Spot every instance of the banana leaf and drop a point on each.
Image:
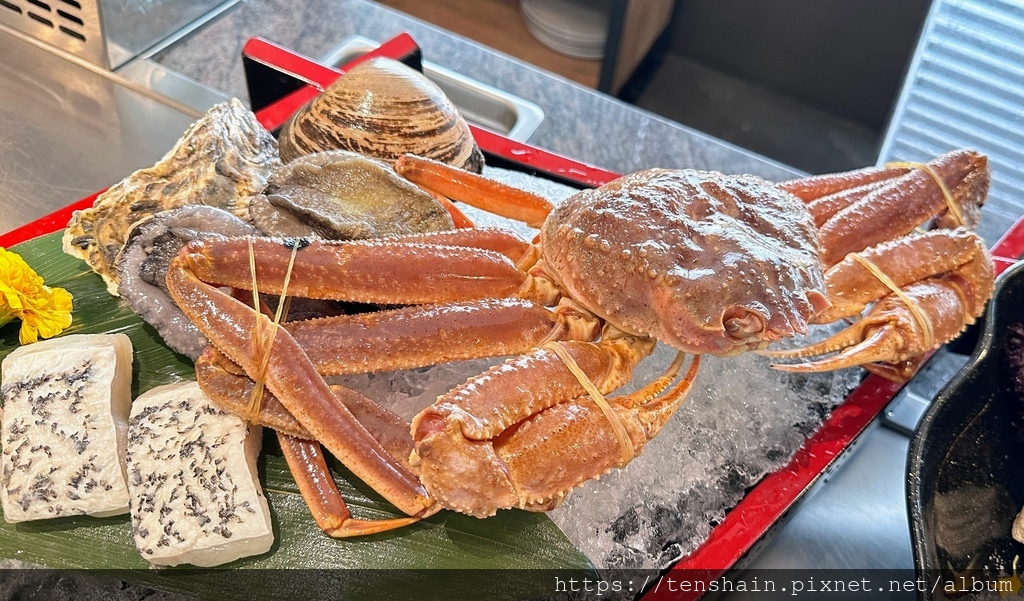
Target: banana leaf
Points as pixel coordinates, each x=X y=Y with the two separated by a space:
x=448 y=555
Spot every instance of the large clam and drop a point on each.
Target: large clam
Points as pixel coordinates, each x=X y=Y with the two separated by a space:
x=383 y=109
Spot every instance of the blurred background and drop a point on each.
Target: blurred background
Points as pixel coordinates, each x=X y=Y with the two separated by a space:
x=810 y=84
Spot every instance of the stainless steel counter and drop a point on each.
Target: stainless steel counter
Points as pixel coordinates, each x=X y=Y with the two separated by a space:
x=69 y=131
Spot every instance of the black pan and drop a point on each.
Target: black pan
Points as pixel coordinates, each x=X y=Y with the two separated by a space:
x=965 y=477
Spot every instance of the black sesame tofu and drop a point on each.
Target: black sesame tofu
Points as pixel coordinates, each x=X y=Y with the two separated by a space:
x=195 y=494
x=64 y=428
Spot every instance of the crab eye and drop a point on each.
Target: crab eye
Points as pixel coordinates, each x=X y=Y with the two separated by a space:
x=742 y=324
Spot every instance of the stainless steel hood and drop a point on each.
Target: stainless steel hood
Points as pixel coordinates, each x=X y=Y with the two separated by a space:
x=70 y=131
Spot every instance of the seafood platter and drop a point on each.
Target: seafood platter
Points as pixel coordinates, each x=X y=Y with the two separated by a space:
x=307 y=276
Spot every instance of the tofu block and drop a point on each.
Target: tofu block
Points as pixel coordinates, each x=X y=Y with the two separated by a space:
x=195 y=493
x=65 y=427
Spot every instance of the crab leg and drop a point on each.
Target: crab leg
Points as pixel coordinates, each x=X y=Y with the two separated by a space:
x=306 y=462
x=824 y=208
x=231 y=388
x=525 y=433
x=902 y=204
x=459 y=219
x=809 y=189
x=432 y=334
x=851 y=287
x=386 y=271
x=521 y=253
x=303 y=454
x=475 y=190
x=946 y=276
x=577 y=434
x=891 y=332
x=293 y=379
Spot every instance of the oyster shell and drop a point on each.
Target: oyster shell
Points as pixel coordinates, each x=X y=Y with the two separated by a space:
x=224 y=158
x=383 y=109
x=343 y=195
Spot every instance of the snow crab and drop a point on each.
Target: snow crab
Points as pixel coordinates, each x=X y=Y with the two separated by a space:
x=703 y=262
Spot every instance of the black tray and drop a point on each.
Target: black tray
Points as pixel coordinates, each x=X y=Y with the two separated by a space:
x=965 y=478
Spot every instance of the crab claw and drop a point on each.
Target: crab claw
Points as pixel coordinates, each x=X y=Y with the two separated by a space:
x=892 y=332
x=857 y=346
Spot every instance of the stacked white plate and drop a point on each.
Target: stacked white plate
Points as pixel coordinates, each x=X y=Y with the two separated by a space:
x=578 y=28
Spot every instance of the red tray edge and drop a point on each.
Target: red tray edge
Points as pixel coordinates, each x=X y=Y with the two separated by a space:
x=47 y=224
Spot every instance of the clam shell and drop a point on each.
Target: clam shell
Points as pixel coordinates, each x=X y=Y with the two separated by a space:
x=383 y=109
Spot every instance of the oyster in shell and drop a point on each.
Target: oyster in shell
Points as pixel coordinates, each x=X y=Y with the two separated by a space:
x=384 y=109
x=224 y=158
x=342 y=195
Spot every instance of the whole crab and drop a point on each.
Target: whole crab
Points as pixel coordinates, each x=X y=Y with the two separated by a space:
x=703 y=262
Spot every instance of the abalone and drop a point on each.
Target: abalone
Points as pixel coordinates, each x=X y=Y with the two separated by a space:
x=341 y=195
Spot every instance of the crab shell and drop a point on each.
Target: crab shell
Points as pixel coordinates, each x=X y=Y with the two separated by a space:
x=704 y=262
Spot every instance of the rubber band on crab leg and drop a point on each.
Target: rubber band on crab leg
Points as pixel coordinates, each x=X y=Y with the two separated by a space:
x=260 y=342
x=883 y=342
x=951 y=204
x=264 y=337
x=922 y=318
x=852 y=336
x=625 y=444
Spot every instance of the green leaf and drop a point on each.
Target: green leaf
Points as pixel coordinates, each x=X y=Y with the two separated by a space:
x=423 y=553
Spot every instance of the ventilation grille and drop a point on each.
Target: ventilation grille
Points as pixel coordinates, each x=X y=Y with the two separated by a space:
x=72 y=25
x=964 y=89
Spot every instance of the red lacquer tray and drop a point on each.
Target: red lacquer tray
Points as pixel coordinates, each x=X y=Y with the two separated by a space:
x=281 y=81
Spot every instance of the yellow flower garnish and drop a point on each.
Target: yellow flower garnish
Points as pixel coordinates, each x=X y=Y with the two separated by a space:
x=43 y=311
